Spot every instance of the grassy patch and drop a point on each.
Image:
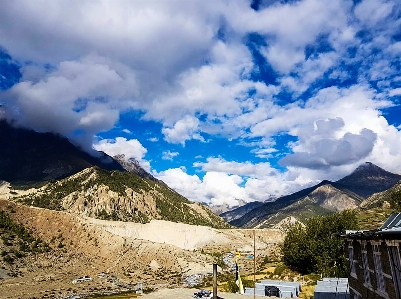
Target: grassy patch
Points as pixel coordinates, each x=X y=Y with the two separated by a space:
x=123 y=295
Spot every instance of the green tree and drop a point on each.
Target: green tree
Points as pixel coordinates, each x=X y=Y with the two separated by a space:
x=395 y=200
x=316 y=248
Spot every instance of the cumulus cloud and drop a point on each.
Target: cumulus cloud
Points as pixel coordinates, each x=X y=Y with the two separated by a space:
x=84 y=96
x=320 y=72
x=127 y=131
x=121 y=146
x=215 y=188
x=168 y=155
x=184 y=129
x=395 y=92
x=371 y=12
x=231 y=183
x=334 y=152
x=231 y=167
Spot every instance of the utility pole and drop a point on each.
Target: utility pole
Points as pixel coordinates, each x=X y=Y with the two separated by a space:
x=214 y=281
x=254 y=264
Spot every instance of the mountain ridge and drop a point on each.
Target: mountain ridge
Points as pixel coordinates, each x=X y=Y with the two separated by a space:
x=115 y=195
x=46 y=170
x=375 y=178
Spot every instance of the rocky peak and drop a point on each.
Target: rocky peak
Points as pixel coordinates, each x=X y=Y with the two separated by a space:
x=369 y=168
x=132 y=165
x=369 y=178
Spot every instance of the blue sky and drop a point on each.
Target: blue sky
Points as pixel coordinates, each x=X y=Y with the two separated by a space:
x=226 y=101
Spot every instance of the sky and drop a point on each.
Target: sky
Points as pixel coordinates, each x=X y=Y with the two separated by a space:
x=225 y=101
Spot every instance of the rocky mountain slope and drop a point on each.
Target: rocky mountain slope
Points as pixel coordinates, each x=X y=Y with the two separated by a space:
x=381 y=198
x=324 y=198
x=116 y=195
x=133 y=166
x=63 y=177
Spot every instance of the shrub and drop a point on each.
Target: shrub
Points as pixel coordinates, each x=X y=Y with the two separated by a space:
x=316 y=248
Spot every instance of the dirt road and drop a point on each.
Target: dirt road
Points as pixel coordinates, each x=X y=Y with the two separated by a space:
x=187 y=294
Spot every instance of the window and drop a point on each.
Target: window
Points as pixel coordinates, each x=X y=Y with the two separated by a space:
x=381 y=287
x=394 y=255
x=366 y=270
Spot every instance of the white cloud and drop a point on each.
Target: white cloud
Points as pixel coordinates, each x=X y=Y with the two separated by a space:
x=168 y=155
x=231 y=183
x=121 y=146
x=329 y=152
x=184 y=129
x=290 y=27
x=84 y=63
x=84 y=96
x=216 y=188
x=371 y=12
x=259 y=170
x=395 y=92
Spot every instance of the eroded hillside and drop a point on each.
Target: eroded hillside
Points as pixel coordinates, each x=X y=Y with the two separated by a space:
x=116 y=195
x=159 y=253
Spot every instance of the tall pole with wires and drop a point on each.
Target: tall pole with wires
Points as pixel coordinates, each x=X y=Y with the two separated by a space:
x=254 y=264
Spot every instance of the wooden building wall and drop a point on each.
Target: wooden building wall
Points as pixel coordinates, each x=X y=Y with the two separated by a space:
x=375 y=278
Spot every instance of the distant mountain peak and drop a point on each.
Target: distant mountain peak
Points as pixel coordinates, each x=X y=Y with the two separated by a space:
x=369 y=178
x=323 y=198
x=368 y=166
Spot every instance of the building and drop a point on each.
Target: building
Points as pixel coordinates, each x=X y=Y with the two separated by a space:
x=374 y=260
x=275 y=288
x=332 y=288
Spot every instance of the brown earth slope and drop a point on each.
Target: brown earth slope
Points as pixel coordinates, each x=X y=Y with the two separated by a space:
x=159 y=254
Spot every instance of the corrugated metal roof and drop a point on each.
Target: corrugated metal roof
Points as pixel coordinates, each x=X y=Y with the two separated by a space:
x=392 y=226
x=332 y=288
x=394 y=221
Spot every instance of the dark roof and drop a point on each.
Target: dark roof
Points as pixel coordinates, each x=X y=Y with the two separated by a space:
x=390 y=229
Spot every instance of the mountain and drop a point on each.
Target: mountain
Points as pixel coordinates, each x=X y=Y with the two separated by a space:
x=240 y=211
x=133 y=166
x=324 y=198
x=222 y=208
x=302 y=204
x=27 y=156
x=381 y=198
x=116 y=195
x=62 y=177
x=368 y=179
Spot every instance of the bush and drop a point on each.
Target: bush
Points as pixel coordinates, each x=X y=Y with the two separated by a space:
x=316 y=248
x=231 y=285
x=280 y=268
x=395 y=200
x=7 y=258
